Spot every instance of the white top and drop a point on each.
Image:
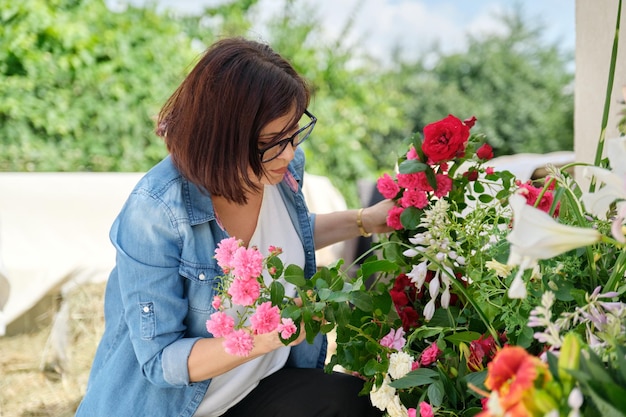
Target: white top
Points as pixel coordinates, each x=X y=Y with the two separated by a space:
x=274 y=227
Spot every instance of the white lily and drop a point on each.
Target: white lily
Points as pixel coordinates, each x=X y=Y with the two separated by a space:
x=612 y=186
x=536 y=235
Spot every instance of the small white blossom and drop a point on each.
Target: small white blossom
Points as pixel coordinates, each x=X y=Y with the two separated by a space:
x=429 y=310
x=382 y=396
x=400 y=364
x=396 y=409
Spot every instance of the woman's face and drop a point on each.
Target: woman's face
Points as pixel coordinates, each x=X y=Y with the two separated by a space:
x=277 y=167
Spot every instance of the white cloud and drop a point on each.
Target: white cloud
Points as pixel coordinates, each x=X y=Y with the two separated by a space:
x=413 y=25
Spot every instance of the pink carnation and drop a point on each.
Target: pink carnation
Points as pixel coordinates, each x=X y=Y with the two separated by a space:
x=239 y=343
x=444 y=185
x=387 y=187
x=265 y=319
x=247 y=263
x=217 y=302
x=394 y=339
x=220 y=324
x=430 y=354
x=426 y=410
x=414 y=198
x=411 y=412
x=225 y=251
x=244 y=292
x=393 y=218
x=416 y=180
x=287 y=328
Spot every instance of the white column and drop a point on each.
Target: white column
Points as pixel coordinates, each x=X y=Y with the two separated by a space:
x=595 y=30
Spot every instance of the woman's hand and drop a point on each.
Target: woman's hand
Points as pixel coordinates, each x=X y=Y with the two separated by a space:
x=374 y=218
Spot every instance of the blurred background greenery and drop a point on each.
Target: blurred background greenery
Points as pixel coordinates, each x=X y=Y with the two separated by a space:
x=80 y=85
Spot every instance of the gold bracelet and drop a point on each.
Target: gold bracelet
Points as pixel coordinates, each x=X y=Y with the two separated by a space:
x=359 y=222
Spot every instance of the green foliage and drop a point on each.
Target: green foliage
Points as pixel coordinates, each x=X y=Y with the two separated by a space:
x=81 y=84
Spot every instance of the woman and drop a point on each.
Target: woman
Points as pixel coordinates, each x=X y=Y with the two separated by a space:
x=232 y=129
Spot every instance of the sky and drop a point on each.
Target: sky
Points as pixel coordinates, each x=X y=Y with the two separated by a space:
x=414 y=24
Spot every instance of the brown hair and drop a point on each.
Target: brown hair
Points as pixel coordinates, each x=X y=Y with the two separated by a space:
x=212 y=122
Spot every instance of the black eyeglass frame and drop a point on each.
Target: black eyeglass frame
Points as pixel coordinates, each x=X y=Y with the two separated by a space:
x=282 y=144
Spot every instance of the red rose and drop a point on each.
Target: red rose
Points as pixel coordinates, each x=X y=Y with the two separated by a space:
x=445 y=140
x=485 y=152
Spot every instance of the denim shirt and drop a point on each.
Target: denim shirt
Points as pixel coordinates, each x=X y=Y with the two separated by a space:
x=158 y=296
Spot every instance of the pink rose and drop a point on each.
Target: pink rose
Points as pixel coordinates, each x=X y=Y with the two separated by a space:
x=426 y=410
x=430 y=354
x=489 y=170
x=220 y=324
x=445 y=140
x=244 y=291
x=247 y=263
x=239 y=343
x=387 y=187
x=411 y=412
x=287 y=328
x=265 y=319
x=412 y=154
x=225 y=251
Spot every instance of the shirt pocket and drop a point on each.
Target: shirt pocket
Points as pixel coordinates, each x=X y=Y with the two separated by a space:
x=200 y=286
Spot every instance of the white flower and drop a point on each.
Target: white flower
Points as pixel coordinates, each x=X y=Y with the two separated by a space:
x=517 y=290
x=418 y=274
x=396 y=409
x=382 y=396
x=400 y=364
x=613 y=186
x=429 y=310
x=536 y=235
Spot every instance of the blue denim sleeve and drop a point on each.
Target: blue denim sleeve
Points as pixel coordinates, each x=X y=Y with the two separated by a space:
x=148 y=246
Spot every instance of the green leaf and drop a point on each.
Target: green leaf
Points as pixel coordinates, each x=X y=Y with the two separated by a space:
x=436 y=393
x=416 y=378
x=295 y=275
x=275 y=262
x=464 y=337
x=362 y=301
x=277 y=293
x=411 y=218
x=411 y=166
x=382 y=265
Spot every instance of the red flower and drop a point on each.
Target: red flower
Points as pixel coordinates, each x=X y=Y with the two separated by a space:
x=471 y=175
x=485 y=152
x=445 y=140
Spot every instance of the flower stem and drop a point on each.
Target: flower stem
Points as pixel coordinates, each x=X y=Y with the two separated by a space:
x=607 y=101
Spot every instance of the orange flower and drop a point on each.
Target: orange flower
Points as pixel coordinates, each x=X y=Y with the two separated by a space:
x=512 y=374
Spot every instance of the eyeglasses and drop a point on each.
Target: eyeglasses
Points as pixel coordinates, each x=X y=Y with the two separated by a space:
x=271 y=152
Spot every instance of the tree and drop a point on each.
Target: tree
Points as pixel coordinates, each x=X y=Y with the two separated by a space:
x=81 y=84
x=518 y=87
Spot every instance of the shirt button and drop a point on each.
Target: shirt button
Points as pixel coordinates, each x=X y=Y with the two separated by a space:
x=146 y=309
x=202 y=277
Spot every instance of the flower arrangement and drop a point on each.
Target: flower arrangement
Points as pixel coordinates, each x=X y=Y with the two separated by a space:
x=492 y=297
